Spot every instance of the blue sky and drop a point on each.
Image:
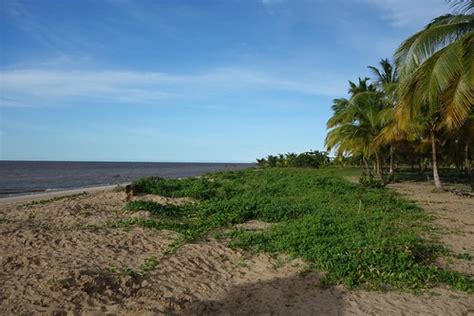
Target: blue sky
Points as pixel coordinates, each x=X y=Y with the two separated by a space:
x=177 y=80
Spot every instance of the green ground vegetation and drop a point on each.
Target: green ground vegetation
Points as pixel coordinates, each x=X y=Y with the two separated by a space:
x=359 y=235
x=308 y=159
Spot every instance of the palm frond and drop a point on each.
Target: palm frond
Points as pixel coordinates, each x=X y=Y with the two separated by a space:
x=442 y=83
x=462 y=6
x=436 y=35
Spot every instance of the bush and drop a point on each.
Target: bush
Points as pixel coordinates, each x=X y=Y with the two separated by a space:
x=198 y=188
x=371 y=182
x=309 y=159
x=167 y=210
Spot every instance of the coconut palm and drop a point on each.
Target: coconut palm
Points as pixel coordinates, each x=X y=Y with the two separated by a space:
x=437 y=75
x=387 y=81
x=356 y=123
x=387 y=73
x=465 y=136
x=362 y=86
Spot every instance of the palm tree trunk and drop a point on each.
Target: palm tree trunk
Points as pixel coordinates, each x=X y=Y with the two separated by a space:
x=437 y=181
x=366 y=165
x=421 y=166
x=378 y=164
x=467 y=162
x=390 y=172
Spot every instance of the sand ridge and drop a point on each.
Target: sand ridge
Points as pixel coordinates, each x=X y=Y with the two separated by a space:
x=62 y=257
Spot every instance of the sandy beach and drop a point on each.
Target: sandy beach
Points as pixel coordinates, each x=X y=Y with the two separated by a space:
x=18 y=199
x=264 y=157
x=61 y=257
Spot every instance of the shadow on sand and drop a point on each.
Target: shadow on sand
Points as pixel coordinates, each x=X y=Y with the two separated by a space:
x=449 y=176
x=296 y=295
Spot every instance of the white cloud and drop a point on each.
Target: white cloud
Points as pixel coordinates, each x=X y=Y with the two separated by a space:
x=410 y=13
x=36 y=87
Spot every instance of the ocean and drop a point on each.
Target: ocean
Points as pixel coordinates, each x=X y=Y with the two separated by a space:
x=24 y=177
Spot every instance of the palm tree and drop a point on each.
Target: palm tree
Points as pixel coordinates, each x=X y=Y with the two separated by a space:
x=356 y=123
x=362 y=86
x=387 y=74
x=466 y=137
x=387 y=78
x=437 y=75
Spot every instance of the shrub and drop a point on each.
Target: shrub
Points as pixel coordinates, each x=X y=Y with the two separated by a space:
x=371 y=182
x=167 y=210
x=309 y=159
x=198 y=188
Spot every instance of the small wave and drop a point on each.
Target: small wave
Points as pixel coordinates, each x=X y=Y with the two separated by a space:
x=52 y=190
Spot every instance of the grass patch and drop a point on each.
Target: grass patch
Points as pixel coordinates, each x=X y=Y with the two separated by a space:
x=119 y=188
x=359 y=235
x=54 y=199
x=31 y=216
x=198 y=188
x=464 y=256
x=166 y=210
x=149 y=264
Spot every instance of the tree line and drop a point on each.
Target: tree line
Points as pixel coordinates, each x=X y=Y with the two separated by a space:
x=416 y=108
x=308 y=159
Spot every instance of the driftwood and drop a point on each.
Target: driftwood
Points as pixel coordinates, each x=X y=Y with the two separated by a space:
x=461 y=193
x=130 y=191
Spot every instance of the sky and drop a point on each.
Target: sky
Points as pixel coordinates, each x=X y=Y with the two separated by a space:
x=187 y=81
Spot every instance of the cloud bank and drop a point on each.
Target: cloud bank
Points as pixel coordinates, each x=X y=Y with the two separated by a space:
x=37 y=87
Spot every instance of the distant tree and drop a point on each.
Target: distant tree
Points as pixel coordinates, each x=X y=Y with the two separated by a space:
x=309 y=159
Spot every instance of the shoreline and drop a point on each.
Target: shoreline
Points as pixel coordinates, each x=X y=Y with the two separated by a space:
x=26 y=180
x=53 y=194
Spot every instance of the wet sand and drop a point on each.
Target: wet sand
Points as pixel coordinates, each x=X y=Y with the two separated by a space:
x=52 y=194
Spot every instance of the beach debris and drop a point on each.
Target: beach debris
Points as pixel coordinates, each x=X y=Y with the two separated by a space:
x=130 y=191
x=461 y=193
